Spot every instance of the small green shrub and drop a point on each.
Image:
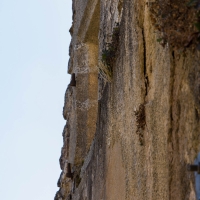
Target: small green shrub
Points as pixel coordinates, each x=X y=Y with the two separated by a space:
x=109 y=55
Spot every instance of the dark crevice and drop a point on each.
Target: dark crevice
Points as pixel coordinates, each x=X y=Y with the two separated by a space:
x=146 y=84
x=146 y=80
x=173 y=56
x=140 y=113
x=70 y=197
x=144 y=45
x=196 y=115
x=170 y=142
x=172 y=84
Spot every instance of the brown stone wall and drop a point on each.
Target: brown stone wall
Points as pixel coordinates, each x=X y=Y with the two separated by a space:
x=111 y=157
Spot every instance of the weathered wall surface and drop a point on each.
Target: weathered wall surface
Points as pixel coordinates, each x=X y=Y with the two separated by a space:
x=101 y=142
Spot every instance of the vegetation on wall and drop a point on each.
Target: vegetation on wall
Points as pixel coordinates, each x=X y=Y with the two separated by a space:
x=140 y=122
x=178 y=21
x=109 y=55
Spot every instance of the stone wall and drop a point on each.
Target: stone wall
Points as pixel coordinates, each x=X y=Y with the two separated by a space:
x=105 y=156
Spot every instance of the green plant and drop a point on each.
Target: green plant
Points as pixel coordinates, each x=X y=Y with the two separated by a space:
x=77 y=180
x=109 y=55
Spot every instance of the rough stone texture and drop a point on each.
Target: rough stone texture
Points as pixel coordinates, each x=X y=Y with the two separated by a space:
x=100 y=137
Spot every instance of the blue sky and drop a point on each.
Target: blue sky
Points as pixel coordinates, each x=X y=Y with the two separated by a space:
x=34 y=41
